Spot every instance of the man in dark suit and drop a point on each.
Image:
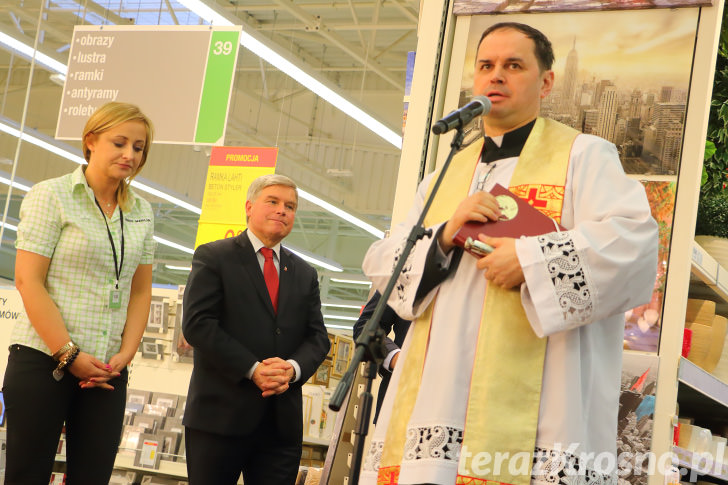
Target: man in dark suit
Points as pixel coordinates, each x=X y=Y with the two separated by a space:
x=254 y=320
x=390 y=321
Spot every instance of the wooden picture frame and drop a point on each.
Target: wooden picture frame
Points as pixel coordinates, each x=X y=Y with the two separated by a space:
x=158 y=315
x=342 y=356
x=138 y=397
x=323 y=374
x=168 y=441
x=151 y=349
x=147 y=453
x=332 y=347
x=180 y=346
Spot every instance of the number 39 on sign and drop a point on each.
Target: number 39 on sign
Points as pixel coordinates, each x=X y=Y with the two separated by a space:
x=223 y=48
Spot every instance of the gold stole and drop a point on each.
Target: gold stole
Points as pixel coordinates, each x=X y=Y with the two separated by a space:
x=505 y=388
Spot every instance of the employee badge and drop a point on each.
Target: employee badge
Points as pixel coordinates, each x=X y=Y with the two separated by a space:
x=114 y=298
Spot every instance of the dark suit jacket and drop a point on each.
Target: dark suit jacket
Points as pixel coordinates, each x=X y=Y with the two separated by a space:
x=390 y=321
x=229 y=320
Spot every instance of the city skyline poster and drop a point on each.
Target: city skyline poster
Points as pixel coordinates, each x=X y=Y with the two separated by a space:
x=628 y=83
x=475 y=7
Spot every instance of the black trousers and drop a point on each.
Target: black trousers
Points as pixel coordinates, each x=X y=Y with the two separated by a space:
x=37 y=406
x=263 y=457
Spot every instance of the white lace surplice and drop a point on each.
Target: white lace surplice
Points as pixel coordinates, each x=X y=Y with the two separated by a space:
x=578 y=285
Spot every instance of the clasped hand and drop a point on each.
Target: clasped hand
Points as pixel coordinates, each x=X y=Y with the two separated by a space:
x=500 y=267
x=93 y=373
x=272 y=376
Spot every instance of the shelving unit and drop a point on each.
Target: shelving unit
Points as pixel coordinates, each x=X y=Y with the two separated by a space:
x=704 y=384
x=685 y=458
x=714 y=278
x=316 y=441
x=168 y=468
x=701 y=394
x=337 y=467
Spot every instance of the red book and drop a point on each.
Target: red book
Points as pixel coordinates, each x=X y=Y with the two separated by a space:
x=519 y=219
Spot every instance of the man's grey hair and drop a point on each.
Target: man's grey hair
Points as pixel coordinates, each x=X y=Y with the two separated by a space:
x=266 y=181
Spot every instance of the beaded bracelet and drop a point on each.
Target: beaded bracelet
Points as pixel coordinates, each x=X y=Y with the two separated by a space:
x=72 y=357
x=65 y=362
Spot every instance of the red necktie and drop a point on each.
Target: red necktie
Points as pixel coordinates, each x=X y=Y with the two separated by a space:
x=270 y=273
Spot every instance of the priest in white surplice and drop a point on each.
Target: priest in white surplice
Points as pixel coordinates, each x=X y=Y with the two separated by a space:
x=511 y=371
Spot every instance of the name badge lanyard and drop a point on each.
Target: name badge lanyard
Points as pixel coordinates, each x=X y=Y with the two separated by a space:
x=115 y=293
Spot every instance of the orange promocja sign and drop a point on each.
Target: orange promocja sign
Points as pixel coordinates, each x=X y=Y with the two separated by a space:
x=244 y=157
x=231 y=171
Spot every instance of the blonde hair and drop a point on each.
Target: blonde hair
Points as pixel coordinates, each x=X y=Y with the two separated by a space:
x=107 y=117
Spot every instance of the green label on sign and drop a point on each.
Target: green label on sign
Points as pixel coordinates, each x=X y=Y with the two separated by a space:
x=216 y=88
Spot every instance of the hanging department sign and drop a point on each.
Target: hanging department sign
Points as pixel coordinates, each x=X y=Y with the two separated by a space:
x=229 y=175
x=180 y=76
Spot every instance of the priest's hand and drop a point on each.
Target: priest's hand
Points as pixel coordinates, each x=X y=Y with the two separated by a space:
x=272 y=376
x=480 y=206
x=501 y=267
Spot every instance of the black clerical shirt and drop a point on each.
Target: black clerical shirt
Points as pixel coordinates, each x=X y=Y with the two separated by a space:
x=511 y=145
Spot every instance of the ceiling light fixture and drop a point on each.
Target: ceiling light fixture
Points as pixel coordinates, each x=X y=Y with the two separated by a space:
x=75 y=158
x=163 y=195
x=10 y=226
x=341 y=327
x=353 y=282
x=174 y=245
x=178 y=268
x=341 y=305
x=378 y=233
x=257 y=47
x=16 y=185
x=26 y=51
x=342 y=317
x=315 y=259
x=10 y=130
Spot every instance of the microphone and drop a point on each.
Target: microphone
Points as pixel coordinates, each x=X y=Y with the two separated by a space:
x=480 y=105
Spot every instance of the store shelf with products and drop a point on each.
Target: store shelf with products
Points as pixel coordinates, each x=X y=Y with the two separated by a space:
x=166 y=468
x=316 y=441
x=701 y=463
x=709 y=279
x=701 y=393
x=702 y=396
x=706 y=384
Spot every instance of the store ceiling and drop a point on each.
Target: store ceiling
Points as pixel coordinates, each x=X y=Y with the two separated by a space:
x=360 y=46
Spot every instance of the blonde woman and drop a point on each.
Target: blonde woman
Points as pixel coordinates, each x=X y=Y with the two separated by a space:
x=84 y=271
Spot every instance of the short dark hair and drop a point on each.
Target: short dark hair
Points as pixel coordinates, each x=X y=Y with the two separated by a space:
x=542 y=45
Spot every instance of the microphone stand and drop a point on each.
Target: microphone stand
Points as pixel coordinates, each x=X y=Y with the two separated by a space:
x=370 y=344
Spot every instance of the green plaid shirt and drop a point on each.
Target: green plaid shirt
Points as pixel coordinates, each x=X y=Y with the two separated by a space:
x=60 y=220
